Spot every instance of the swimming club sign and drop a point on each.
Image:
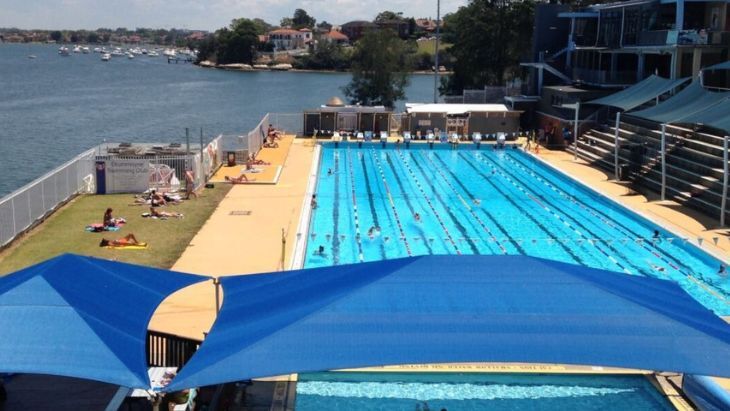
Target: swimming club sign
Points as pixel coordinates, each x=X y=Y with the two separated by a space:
x=122 y=176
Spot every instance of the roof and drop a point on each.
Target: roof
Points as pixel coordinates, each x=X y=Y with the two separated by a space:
x=438 y=309
x=719 y=66
x=82 y=317
x=692 y=100
x=336 y=35
x=454 y=108
x=640 y=93
x=284 y=31
x=363 y=23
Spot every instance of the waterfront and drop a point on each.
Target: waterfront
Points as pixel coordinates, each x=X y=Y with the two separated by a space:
x=53 y=107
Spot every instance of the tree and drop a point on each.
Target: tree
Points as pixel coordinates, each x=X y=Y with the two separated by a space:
x=302 y=20
x=325 y=26
x=56 y=35
x=380 y=65
x=388 y=16
x=488 y=37
x=326 y=56
x=92 y=37
x=286 y=22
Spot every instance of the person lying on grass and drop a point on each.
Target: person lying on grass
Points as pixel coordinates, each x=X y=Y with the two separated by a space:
x=128 y=239
x=242 y=179
x=163 y=214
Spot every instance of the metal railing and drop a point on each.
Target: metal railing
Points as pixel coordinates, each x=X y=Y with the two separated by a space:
x=29 y=205
x=251 y=142
x=169 y=350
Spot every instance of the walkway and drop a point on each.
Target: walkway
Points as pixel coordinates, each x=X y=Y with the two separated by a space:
x=265 y=174
x=242 y=236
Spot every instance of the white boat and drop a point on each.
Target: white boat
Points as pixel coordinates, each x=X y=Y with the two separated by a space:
x=130 y=55
x=106 y=57
x=169 y=53
x=77 y=49
x=32 y=56
x=63 y=51
x=97 y=49
x=153 y=54
x=85 y=50
x=117 y=52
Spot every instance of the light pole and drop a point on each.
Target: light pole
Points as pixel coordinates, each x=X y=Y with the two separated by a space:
x=436 y=58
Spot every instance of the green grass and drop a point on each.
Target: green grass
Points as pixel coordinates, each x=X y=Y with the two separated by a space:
x=64 y=231
x=430 y=46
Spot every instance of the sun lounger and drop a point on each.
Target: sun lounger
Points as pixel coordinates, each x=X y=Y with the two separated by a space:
x=360 y=136
x=383 y=135
x=442 y=137
x=368 y=136
x=406 y=135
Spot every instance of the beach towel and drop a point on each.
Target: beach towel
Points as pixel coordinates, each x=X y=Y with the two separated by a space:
x=140 y=246
x=98 y=228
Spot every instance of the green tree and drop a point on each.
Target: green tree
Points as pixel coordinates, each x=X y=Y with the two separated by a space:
x=301 y=19
x=236 y=44
x=92 y=37
x=388 y=16
x=326 y=56
x=488 y=37
x=286 y=22
x=56 y=35
x=380 y=66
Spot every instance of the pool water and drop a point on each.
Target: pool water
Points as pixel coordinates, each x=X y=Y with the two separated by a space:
x=460 y=392
x=488 y=202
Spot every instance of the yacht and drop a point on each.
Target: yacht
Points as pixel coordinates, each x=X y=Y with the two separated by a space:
x=85 y=50
x=130 y=55
x=169 y=53
x=63 y=51
x=97 y=49
x=77 y=49
x=106 y=57
x=153 y=54
x=117 y=52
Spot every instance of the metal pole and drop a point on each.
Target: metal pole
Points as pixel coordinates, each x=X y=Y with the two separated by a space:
x=203 y=173
x=575 y=132
x=436 y=51
x=724 y=180
x=616 y=146
x=217 y=284
x=664 y=161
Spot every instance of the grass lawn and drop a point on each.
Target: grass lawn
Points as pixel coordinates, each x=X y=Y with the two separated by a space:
x=64 y=231
x=429 y=46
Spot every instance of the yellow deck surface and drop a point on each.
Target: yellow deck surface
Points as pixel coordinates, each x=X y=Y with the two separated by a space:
x=267 y=173
x=233 y=243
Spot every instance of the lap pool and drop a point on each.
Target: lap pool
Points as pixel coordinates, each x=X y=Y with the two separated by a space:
x=471 y=201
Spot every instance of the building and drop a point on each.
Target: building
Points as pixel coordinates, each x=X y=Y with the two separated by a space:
x=290 y=39
x=337 y=116
x=354 y=30
x=426 y=24
x=335 y=37
x=462 y=119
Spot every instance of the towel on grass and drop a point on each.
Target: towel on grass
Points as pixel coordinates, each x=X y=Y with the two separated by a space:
x=140 y=246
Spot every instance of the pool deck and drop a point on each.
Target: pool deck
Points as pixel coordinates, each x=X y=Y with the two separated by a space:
x=261 y=174
x=242 y=236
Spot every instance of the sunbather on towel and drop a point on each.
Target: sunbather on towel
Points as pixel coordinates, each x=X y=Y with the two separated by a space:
x=242 y=179
x=128 y=239
x=163 y=214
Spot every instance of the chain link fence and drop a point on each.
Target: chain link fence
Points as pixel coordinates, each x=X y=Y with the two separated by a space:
x=29 y=205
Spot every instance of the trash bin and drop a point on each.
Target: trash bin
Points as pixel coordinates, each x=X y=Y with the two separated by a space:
x=231 y=158
x=624 y=170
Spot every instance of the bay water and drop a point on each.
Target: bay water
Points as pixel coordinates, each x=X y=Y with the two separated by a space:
x=54 y=107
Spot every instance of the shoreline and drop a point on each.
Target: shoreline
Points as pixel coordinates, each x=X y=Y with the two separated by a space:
x=295 y=70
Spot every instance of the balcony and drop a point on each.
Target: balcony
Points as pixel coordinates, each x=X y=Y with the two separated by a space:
x=604 y=77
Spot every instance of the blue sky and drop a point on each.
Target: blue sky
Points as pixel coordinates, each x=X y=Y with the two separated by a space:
x=202 y=14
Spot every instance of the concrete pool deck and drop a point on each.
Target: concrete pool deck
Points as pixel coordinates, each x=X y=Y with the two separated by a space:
x=242 y=236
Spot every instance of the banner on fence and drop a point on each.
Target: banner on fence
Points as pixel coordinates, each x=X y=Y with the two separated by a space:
x=127 y=175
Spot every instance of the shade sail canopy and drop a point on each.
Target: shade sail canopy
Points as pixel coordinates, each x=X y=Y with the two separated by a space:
x=640 y=93
x=691 y=100
x=717 y=117
x=437 y=309
x=720 y=66
x=82 y=317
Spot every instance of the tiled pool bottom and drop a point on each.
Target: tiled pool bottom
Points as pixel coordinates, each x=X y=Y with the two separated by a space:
x=364 y=391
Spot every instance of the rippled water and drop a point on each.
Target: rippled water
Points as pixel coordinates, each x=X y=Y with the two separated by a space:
x=54 y=107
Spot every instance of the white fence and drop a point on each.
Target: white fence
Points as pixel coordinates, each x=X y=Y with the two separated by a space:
x=251 y=142
x=23 y=208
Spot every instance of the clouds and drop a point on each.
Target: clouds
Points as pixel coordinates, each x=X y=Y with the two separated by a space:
x=192 y=14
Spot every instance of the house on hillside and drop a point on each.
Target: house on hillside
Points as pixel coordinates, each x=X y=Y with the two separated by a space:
x=354 y=30
x=426 y=24
x=335 y=37
x=290 y=39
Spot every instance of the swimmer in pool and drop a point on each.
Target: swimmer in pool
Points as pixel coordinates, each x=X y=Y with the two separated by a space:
x=477 y=202
x=319 y=250
x=417 y=217
x=722 y=271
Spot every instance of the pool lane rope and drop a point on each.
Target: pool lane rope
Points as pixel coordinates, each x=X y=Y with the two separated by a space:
x=403 y=238
x=358 y=240
x=590 y=241
x=466 y=205
x=450 y=239
x=563 y=193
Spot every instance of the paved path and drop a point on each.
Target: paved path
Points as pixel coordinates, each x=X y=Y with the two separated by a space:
x=242 y=236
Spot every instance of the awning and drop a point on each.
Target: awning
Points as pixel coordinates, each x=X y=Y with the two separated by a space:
x=440 y=309
x=690 y=101
x=82 y=317
x=640 y=93
x=717 y=117
x=720 y=66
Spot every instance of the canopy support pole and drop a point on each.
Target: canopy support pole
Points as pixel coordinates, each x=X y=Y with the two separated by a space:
x=664 y=161
x=217 y=284
x=724 y=180
x=615 y=146
x=575 y=132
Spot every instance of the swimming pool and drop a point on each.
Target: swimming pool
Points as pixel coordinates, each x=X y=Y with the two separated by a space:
x=457 y=391
x=488 y=202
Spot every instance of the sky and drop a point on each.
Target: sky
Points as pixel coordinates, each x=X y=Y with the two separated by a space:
x=197 y=15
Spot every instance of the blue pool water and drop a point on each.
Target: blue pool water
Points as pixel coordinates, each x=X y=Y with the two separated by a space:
x=488 y=202
x=457 y=392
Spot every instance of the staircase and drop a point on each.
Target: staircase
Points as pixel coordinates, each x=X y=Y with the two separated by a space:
x=694 y=160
